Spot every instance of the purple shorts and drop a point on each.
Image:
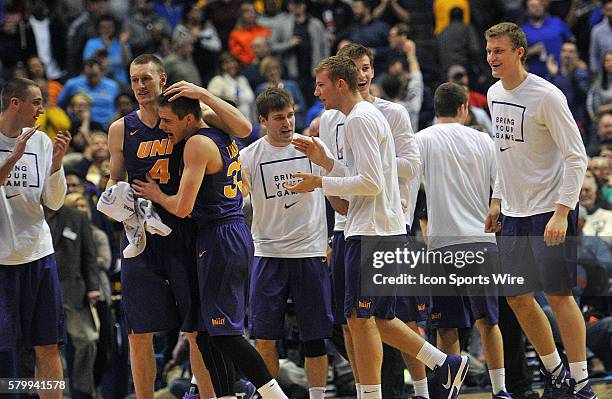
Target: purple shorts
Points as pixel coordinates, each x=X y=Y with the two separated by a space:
x=337 y=275
x=31 y=310
x=382 y=307
x=523 y=252
x=224 y=255
x=463 y=311
x=159 y=285
x=412 y=308
x=306 y=281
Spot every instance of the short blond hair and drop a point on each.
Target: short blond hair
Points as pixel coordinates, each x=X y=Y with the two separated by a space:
x=338 y=67
x=72 y=198
x=514 y=32
x=268 y=62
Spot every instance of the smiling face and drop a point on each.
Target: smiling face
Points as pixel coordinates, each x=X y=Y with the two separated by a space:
x=147 y=82
x=280 y=126
x=31 y=108
x=365 y=74
x=502 y=57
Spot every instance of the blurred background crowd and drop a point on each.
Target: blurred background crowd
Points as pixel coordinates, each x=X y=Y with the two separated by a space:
x=78 y=51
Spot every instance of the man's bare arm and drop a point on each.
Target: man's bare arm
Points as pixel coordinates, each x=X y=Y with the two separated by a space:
x=219 y=114
x=115 y=147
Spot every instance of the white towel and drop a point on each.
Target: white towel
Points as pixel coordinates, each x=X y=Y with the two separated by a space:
x=117 y=202
x=138 y=216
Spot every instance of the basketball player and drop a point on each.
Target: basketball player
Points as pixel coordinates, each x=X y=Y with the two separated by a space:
x=210 y=192
x=31 y=175
x=290 y=236
x=408 y=308
x=167 y=266
x=541 y=165
x=459 y=170
x=370 y=181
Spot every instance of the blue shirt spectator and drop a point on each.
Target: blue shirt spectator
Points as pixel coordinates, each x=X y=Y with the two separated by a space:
x=601 y=37
x=545 y=35
x=102 y=91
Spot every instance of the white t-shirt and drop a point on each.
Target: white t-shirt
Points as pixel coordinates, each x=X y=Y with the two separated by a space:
x=285 y=224
x=331 y=133
x=24 y=233
x=459 y=169
x=368 y=176
x=540 y=155
x=331 y=129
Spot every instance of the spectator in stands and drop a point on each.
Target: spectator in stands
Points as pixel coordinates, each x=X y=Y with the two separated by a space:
x=80 y=30
x=146 y=27
x=223 y=14
x=261 y=48
x=77 y=269
x=96 y=158
x=601 y=37
x=458 y=74
x=271 y=68
x=428 y=62
x=17 y=42
x=599 y=220
x=101 y=89
x=545 y=35
x=49 y=39
x=337 y=17
x=79 y=112
x=179 y=64
x=371 y=33
x=206 y=41
x=163 y=46
x=392 y=12
x=441 y=11
x=599 y=98
x=170 y=10
x=300 y=42
x=36 y=72
x=459 y=44
x=573 y=79
x=600 y=167
x=103 y=261
x=406 y=73
x=117 y=47
x=125 y=104
x=230 y=85
x=243 y=34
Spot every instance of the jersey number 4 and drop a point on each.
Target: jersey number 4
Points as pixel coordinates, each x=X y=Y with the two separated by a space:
x=233 y=171
x=160 y=172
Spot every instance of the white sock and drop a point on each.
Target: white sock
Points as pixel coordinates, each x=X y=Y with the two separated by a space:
x=420 y=388
x=431 y=356
x=551 y=361
x=371 y=391
x=316 y=392
x=358 y=390
x=228 y=397
x=498 y=380
x=578 y=372
x=271 y=390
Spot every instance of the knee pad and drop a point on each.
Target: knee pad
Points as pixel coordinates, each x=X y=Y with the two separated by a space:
x=314 y=348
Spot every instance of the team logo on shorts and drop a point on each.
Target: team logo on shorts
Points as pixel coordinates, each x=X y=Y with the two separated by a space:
x=218 y=321
x=436 y=316
x=364 y=304
x=421 y=307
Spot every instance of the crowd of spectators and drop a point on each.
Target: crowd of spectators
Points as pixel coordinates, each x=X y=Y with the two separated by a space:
x=78 y=51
